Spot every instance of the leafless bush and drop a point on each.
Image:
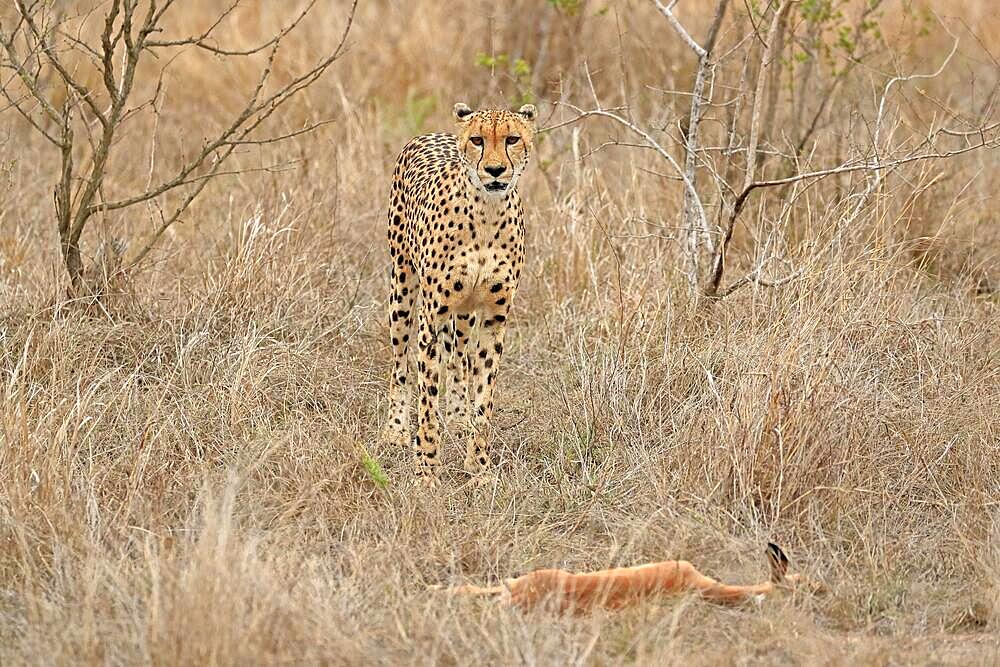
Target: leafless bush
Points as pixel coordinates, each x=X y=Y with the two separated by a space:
x=721 y=171
x=47 y=61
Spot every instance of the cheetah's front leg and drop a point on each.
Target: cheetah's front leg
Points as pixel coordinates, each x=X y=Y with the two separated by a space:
x=485 y=364
x=456 y=344
x=427 y=440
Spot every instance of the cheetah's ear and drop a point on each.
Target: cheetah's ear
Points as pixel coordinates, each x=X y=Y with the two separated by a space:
x=462 y=112
x=528 y=112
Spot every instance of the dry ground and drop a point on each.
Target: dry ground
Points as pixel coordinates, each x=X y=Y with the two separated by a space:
x=188 y=472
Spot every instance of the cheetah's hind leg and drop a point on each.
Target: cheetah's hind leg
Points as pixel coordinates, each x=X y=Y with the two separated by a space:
x=397 y=425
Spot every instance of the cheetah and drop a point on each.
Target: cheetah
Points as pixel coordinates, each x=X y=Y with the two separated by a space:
x=456 y=243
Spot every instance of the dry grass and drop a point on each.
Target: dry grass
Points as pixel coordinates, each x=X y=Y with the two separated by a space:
x=182 y=467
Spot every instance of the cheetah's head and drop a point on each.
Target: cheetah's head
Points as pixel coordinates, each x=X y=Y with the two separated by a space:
x=495 y=145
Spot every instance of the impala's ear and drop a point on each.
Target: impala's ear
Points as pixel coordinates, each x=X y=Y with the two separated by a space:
x=528 y=112
x=462 y=112
x=778 y=562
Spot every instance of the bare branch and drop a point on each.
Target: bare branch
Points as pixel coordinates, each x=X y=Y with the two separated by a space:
x=880 y=116
x=49 y=49
x=253 y=114
x=16 y=105
x=30 y=82
x=200 y=41
x=645 y=136
x=667 y=11
x=770 y=54
x=38 y=42
x=205 y=35
x=694 y=214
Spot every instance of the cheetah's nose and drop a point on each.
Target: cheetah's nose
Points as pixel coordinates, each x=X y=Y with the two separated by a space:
x=495 y=171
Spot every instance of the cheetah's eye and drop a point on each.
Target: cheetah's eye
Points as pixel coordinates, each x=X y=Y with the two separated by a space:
x=476 y=141
x=512 y=139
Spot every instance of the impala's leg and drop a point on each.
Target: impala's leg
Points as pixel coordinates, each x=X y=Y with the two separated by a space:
x=455 y=344
x=715 y=591
x=475 y=591
x=426 y=443
x=397 y=427
x=484 y=365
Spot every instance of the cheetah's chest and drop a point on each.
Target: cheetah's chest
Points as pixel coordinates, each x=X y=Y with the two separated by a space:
x=484 y=276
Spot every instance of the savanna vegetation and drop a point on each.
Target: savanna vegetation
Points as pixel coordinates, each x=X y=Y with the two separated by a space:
x=773 y=318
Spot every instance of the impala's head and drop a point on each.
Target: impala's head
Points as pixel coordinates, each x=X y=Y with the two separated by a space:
x=778 y=563
x=495 y=145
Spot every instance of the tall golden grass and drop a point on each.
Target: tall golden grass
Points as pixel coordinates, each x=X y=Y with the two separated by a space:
x=189 y=470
